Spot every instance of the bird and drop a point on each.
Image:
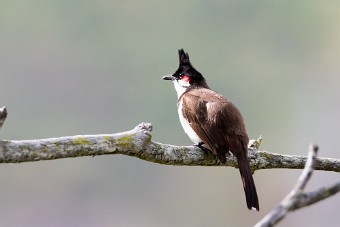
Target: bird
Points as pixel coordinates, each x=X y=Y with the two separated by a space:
x=212 y=122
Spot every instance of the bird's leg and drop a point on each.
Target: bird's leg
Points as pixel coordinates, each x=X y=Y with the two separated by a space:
x=200 y=145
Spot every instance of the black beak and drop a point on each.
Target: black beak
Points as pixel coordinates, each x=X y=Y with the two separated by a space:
x=169 y=77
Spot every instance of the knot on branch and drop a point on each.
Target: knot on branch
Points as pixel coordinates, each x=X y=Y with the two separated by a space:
x=144 y=126
x=142 y=135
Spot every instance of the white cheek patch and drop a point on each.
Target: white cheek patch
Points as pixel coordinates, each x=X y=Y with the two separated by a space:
x=183 y=83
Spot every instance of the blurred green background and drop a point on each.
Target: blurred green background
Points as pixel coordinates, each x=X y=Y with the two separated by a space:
x=88 y=67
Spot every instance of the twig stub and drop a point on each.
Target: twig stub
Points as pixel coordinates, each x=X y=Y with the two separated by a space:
x=3 y=115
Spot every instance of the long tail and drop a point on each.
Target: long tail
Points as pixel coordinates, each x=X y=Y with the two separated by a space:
x=248 y=184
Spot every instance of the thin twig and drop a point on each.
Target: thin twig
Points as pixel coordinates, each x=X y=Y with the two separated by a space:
x=296 y=198
x=307 y=171
x=310 y=198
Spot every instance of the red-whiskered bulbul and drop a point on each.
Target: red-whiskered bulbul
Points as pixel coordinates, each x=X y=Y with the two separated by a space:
x=212 y=121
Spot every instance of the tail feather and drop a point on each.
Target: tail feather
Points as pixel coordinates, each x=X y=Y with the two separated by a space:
x=248 y=185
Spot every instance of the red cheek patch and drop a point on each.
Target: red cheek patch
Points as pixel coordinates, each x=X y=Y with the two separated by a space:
x=185 y=78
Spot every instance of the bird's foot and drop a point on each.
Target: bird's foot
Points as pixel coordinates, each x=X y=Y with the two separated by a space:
x=200 y=145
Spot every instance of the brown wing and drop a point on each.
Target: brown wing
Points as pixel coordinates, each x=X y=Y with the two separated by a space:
x=220 y=125
x=216 y=121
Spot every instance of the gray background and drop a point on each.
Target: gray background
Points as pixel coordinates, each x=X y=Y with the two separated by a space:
x=87 y=67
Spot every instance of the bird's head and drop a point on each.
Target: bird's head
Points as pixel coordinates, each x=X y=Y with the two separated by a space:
x=186 y=76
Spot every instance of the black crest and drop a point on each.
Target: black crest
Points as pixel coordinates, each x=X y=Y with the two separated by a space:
x=186 y=68
x=183 y=58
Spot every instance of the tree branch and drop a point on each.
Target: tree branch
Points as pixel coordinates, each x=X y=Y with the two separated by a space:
x=296 y=198
x=137 y=143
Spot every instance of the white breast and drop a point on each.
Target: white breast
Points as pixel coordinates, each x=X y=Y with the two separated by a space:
x=186 y=126
x=180 y=87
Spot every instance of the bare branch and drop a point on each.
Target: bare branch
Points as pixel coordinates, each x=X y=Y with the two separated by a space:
x=310 y=198
x=268 y=160
x=307 y=171
x=296 y=198
x=137 y=143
